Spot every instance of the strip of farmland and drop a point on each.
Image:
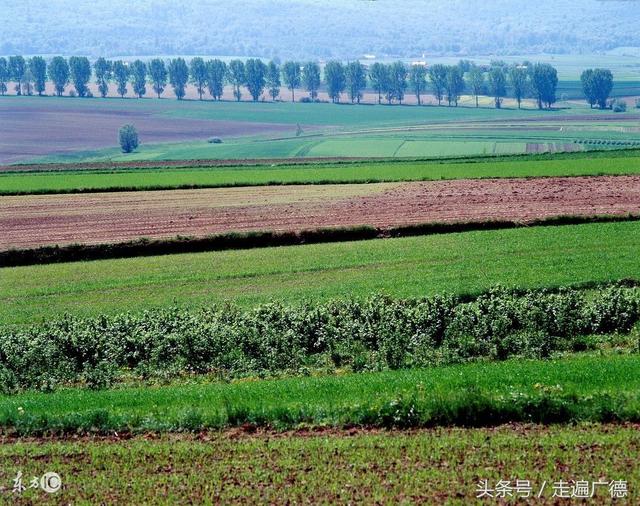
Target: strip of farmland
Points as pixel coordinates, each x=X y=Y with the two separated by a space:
x=40 y=220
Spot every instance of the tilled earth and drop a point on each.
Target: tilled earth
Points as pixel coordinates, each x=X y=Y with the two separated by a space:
x=36 y=220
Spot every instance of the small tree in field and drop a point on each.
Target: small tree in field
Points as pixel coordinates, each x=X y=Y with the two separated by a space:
x=128 y=136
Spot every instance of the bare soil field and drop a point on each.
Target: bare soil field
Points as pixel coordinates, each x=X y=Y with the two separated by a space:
x=30 y=132
x=31 y=221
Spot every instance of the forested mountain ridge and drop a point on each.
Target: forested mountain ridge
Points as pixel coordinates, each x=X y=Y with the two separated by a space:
x=317 y=28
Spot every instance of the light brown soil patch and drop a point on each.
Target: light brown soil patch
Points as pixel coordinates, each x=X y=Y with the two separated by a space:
x=30 y=221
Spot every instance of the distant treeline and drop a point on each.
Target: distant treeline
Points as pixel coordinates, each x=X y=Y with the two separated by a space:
x=391 y=82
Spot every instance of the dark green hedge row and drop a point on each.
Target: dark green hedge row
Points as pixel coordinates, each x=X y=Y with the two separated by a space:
x=262 y=239
x=372 y=334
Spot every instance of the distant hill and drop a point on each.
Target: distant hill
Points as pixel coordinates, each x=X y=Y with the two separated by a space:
x=317 y=28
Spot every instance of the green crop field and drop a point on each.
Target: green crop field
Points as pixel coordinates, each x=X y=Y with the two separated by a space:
x=467 y=262
x=583 y=382
x=578 y=164
x=425 y=467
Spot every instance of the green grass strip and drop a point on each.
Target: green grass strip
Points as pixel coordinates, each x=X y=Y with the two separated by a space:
x=580 y=388
x=464 y=263
x=82 y=181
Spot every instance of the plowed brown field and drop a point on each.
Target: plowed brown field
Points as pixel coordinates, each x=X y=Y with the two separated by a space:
x=28 y=132
x=29 y=221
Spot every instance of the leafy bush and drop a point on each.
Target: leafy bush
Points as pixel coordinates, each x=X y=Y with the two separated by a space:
x=371 y=334
x=619 y=106
x=214 y=140
x=614 y=309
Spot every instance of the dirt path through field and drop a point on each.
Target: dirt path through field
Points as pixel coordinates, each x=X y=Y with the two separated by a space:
x=29 y=221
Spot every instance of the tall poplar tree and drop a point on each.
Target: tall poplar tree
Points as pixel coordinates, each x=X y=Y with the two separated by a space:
x=38 y=68
x=102 y=70
x=158 y=76
x=59 y=74
x=311 y=78
x=418 y=80
x=80 y=74
x=216 y=75
x=291 y=76
x=139 y=78
x=121 y=73
x=273 y=82
x=198 y=75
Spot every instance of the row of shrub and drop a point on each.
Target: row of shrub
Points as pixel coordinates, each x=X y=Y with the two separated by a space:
x=608 y=142
x=371 y=334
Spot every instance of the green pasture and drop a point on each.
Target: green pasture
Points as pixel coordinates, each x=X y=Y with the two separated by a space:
x=464 y=263
x=461 y=139
x=577 y=164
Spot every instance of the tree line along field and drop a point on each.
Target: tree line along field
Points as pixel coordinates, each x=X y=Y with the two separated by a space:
x=390 y=82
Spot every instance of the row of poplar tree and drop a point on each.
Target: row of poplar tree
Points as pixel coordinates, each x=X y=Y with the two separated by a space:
x=390 y=82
